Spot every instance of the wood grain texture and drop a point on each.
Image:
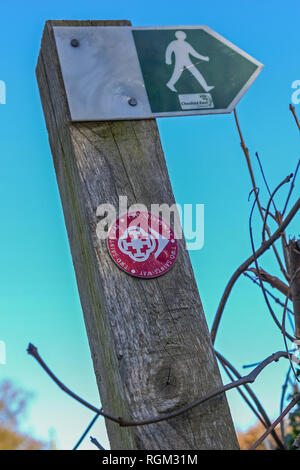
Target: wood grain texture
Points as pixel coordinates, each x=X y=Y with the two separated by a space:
x=294 y=272
x=140 y=331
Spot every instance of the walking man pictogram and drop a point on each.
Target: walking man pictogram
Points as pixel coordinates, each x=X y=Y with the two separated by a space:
x=182 y=51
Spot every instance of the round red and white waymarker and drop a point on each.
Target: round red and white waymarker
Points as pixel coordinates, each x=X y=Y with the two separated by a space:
x=142 y=244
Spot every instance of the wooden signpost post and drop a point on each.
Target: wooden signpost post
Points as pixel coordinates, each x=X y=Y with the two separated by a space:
x=149 y=339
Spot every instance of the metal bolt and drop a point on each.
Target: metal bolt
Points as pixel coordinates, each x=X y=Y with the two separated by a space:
x=132 y=102
x=75 y=43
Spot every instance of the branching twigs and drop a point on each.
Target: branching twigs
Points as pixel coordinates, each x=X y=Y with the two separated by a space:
x=250 y=378
x=276 y=299
x=263 y=248
x=274 y=281
x=243 y=395
x=259 y=277
x=271 y=215
x=292 y=109
x=246 y=153
x=264 y=418
x=276 y=422
x=258 y=404
x=285 y=181
x=278 y=216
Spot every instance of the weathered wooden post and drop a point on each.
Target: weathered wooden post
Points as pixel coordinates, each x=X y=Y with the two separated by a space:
x=293 y=249
x=148 y=337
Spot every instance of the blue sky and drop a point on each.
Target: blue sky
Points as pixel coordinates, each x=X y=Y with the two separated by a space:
x=38 y=294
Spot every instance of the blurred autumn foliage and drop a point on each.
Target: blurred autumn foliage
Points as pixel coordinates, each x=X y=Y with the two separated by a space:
x=248 y=438
x=289 y=432
x=13 y=406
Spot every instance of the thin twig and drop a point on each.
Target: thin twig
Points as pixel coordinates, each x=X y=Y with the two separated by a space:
x=271 y=215
x=276 y=299
x=96 y=443
x=250 y=378
x=291 y=188
x=32 y=351
x=265 y=420
x=246 y=153
x=292 y=109
x=264 y=178
x=243 y=395
x=283 y=393
x=265 y=181
x=274 y=281
x=259 y=276
x=285 y=181
x=269 y=281
x=276 y=422
x=86 y=431
x=264 y=247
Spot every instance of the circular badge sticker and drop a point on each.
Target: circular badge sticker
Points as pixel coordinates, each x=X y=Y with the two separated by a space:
x=142 y=244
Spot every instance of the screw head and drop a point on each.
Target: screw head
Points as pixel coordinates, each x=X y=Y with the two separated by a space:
x=75 y=43
x=132 y=102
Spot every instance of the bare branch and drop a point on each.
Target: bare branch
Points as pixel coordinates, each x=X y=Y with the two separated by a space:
x=243 y=395
x=246 y=153
x=276 y=299
x=264 y=418
x=263 y=248
x=276 y=422
x=285 y=181
x=292 y=109
x=250 y=378
x=96 y=443
x=272 y=280
x=265 y=180
x=260 y=279
x=291 y=188
x=32 y=351
x=86 y=431
x=271 y=215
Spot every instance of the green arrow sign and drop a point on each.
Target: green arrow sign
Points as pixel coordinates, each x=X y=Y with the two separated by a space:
x=137 y=73
x=189 y=68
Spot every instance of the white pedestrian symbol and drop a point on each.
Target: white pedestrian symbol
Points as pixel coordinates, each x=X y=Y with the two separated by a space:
x=182 y=51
